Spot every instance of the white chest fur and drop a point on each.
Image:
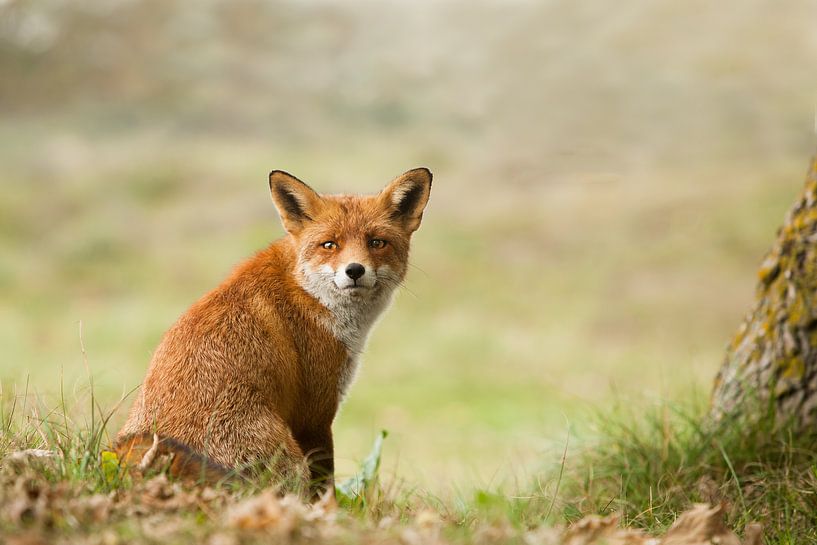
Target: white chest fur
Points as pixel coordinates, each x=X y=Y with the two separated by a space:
x=350 y=320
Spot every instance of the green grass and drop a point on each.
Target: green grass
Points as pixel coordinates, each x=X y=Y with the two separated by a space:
x=646 y=464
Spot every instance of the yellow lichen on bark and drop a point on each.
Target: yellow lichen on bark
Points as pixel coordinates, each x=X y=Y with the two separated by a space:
x=773 y=356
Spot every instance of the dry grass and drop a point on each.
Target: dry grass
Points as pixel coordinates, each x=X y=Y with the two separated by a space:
x=57 y=487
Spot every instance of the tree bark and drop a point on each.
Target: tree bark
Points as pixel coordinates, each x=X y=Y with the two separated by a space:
x=771 y=364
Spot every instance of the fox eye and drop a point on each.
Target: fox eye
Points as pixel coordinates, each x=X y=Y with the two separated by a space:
x=329 y=245
x=377 y=243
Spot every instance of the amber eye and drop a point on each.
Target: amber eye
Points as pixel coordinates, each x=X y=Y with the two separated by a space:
x=329 y=245
x=377 y=244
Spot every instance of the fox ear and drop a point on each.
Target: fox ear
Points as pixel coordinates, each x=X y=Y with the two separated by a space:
x=296 y=202
x=406 y=197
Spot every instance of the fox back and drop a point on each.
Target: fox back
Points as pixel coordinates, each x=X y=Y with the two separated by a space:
x=255 y=370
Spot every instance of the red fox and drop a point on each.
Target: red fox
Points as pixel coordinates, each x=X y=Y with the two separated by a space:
x=257 y=368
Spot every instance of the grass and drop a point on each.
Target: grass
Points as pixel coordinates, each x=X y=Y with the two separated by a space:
x=68 y=489
x=650 y=465
x=647 y=466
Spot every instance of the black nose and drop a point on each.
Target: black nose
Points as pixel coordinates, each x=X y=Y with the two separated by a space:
x=355 y=270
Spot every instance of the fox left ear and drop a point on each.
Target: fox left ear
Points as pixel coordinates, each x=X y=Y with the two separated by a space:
x=296 y=202
x=406 y=197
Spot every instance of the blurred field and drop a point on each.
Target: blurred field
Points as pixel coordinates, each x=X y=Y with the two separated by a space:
x=607 y=179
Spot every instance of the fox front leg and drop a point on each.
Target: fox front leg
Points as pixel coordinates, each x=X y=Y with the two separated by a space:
x=320 y=454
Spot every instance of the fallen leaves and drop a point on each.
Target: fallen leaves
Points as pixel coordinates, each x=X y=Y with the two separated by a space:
x=701 y=525
x=289 y=517
x=38 y=507
x=704 y=525
x=594 y=529
x=283 y=516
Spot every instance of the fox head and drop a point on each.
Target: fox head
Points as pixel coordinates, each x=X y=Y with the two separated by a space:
x=352 y=249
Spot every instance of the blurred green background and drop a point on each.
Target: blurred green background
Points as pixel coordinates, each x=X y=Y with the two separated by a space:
x=608 y=176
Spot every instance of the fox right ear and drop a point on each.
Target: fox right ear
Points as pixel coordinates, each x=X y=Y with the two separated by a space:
x=296 y=202
x=406 y=197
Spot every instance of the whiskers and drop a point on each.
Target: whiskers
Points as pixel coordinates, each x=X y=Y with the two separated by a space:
x=416 y=268
x=393 y=282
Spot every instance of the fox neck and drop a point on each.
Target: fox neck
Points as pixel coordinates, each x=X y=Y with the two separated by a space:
x=350 y=319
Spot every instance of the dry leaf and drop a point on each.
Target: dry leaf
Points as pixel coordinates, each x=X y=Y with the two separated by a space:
x=702 y=525
x=597 y=530
x=262 y=512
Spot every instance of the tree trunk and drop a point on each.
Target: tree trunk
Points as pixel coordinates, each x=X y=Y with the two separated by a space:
x=772 y=361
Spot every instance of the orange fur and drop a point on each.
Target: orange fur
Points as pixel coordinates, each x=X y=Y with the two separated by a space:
x=257 y=367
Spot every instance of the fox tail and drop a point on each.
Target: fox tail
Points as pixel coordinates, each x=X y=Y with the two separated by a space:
x=151 y=452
